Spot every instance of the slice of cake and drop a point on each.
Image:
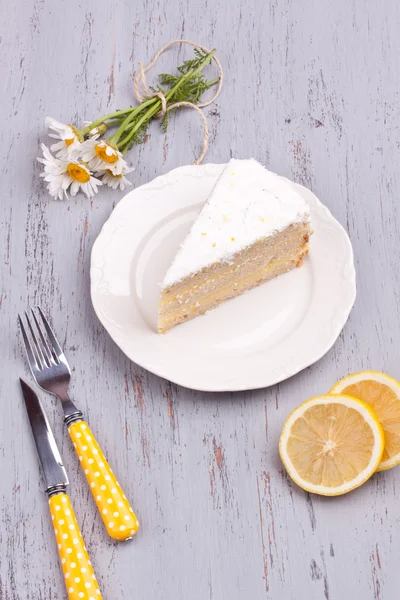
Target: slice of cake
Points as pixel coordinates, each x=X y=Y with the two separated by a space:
x=253 y=227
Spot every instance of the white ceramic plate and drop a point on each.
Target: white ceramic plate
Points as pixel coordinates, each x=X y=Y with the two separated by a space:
x=253 y=341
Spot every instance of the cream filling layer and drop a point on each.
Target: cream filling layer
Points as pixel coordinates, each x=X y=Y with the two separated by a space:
x=209 y=299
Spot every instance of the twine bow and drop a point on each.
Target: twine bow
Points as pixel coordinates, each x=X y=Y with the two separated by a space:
x=140 y=78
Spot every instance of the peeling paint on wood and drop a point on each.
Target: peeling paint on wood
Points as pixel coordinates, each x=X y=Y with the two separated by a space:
x=311 y=90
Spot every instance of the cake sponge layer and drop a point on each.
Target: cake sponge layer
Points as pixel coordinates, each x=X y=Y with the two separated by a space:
x=206 y=289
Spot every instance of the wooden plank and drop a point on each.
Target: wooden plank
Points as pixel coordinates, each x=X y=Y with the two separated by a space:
x=312 y=91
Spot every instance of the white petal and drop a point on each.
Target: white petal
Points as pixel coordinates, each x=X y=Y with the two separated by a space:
x=50 y=122
x=65 y=183
x=87 y=156
x=46 y=152
x=58 y=146
x=87 y=190
x=52 y=193
x=89 y=145
x=74 y=188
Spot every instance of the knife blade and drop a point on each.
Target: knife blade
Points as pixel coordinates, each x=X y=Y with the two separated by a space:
x=70 y=543
x=50 y=457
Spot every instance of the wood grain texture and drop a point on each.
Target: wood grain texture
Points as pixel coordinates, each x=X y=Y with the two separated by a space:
x=312 y=90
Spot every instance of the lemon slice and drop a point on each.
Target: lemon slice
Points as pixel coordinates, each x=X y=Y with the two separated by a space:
x=382 y=394
x=331 y=444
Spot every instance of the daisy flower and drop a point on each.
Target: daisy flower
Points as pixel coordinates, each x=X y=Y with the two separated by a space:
x=63 y=175
x=115 y=181
x=68 y=136
x=102 y=156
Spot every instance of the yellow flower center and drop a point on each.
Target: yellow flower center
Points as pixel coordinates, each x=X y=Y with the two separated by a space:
x=78 y=173
x=75 y=136
x=101 y=152
x=111 y=173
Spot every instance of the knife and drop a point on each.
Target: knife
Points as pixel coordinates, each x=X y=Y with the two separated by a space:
x=79 y=576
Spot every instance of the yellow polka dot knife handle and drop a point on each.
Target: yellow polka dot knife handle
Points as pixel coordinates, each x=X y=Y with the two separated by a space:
x=79 y=576
x=120 y=520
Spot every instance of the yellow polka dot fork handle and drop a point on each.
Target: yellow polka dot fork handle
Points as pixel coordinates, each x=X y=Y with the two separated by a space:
x=118 y=517
x=52 y=373
x=79 y=576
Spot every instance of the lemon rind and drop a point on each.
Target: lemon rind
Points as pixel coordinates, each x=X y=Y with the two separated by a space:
x=374 y=375
x=372 y=421
x=379 y=377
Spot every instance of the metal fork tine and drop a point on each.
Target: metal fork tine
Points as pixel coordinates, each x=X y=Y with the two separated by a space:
x=36 y=347
x=46 y=350
x=56 y=346
x=28 y=348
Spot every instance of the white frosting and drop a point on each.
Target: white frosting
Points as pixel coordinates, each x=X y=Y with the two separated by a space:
x=247 y=203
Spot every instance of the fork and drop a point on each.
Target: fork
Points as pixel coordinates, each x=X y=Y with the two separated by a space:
x=51 y=371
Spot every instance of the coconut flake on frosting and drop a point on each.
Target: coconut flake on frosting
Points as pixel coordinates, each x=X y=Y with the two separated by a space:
x=247 y=203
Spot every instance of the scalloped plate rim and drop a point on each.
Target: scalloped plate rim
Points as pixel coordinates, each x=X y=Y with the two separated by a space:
x=227 y=384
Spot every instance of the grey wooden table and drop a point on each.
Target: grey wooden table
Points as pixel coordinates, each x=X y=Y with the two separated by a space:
x=312 y=91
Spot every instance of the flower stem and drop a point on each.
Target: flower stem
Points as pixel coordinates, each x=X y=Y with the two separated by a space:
x=136 y=110
x=113 y=115
x=152 y=111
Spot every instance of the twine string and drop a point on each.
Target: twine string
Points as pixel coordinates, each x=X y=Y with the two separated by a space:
x=140 y=80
